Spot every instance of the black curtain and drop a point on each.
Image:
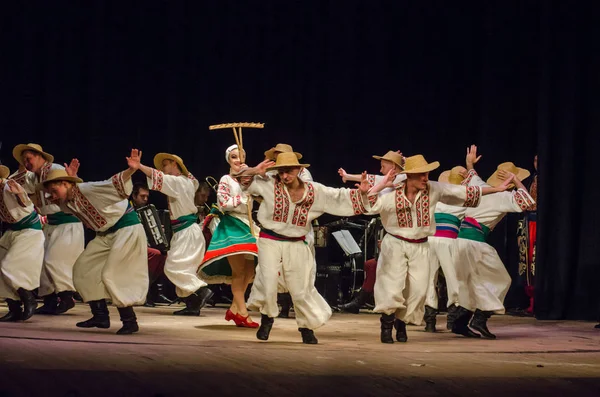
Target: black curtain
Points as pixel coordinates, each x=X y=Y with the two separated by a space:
x=568 y=276
x=340 y=81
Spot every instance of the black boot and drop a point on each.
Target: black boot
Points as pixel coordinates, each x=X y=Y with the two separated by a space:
x=50 y=305
x=160 y=294
x=129 y=320
x=29 y=303
x=100 y=318
x=452 y=310
x=387 y=324
x=400 y=331
x=460 y=324
x=149 y=302
x=14 y=311
x=308 y=336
x=266 y=323
x=597 y=326
x=195 y=302
x=479 y=323
x=285 y=300
x=430 y=319
x=355 y=304
x=66 y=302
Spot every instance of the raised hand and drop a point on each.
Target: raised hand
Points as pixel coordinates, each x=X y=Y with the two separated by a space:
x=72 y=168
x=463 y=173
x=389 y=178
x=472 y=157
x=503 y=175
x=14 y=187
x=342 y=172
x=262 y=167
x=507 y=182
x=135 y=160
x=363 y=186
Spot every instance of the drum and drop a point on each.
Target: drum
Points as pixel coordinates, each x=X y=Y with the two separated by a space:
x=321 y=233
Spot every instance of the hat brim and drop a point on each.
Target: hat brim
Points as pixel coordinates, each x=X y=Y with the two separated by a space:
x=495 y=181
x=19 y=149
x=383 y=158
x=73 y=179
x=4 y=172
x=420 y=170
x=158 y=159
x=276 y=167
x=444 y=177
x=270 y=154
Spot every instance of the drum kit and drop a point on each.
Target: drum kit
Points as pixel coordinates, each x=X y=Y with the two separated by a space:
x=341 y=248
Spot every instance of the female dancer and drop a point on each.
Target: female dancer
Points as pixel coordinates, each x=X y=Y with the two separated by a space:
x=232 y=249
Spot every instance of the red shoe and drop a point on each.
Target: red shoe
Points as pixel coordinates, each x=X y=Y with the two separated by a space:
x=230 y=316
x=245 y=322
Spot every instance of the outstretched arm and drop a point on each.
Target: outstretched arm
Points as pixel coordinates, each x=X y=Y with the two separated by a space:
x=500 y=188
x=349 y=177
x=260 y=169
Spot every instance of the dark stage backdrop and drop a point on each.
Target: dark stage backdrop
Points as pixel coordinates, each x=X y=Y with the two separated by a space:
x=339 y=80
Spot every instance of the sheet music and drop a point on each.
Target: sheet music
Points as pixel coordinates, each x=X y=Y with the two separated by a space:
x=347 y=242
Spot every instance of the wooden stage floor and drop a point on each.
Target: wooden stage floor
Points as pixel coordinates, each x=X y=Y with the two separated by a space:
x=205 y=356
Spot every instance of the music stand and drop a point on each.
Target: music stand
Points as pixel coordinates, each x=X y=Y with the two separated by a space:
x=350 y=248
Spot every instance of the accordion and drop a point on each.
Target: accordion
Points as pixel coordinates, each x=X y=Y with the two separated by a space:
x=158 y=237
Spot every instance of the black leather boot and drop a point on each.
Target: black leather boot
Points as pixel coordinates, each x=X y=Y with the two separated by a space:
x=400 y=331
x=452 y=310
x=129 y=320
x=195 y=302
x=597 y=326
x=160 y=294
x=285 y=300
x=29 y=303
x=308 y=336
x=50 y=305
x=356 y=303
x=387 y=324
x=266 y=323
x=14 y=311
x=479 y=324
x=66 y=302
x=100 y=317
x=460 y=325
x=430 y=319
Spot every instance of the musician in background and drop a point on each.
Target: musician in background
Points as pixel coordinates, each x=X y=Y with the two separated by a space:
x=156 y=259
x=201 y=201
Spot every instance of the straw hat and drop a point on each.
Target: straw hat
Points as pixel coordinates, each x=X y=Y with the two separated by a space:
x=4 y=172
x=281 y=148
x=521 y=173
x=417 y=165
x=60 y=175
x=394 y=157
x=453 y=176
x=288 y=159
x=19 y=149
x=158 y=159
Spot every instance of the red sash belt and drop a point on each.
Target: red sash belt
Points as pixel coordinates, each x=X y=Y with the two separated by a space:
x=410 y=240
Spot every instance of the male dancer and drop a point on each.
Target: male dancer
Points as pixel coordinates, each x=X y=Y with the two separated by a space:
x=172 y=178
x=21 y=250
x=63 y=232
x=114 y=265
x=407 y=214
x=487 y=281
x=288 y=207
